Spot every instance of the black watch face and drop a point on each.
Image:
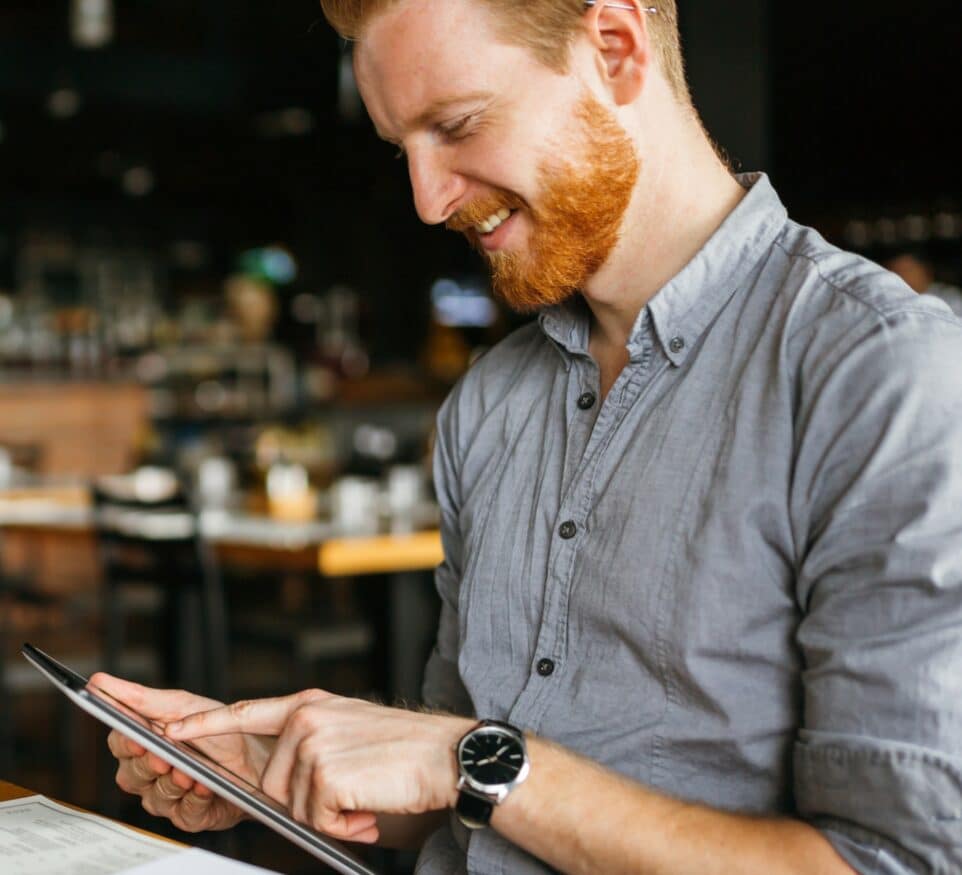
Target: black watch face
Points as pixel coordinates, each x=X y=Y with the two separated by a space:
x=492 y=757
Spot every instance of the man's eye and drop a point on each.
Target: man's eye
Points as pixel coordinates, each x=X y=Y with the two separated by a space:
x=458 y=128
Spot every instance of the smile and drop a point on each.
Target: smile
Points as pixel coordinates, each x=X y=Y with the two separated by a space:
x=492 y=222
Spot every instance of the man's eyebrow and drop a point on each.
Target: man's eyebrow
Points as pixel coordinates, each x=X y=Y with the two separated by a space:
x=439 y=107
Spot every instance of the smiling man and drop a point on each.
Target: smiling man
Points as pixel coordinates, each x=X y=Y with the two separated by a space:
x=702 y=583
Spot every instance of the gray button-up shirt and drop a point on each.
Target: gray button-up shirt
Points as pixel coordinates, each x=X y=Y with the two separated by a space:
x=745 y=565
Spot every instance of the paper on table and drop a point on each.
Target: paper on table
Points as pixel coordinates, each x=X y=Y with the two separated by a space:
x=41 y=837
x=196 y=862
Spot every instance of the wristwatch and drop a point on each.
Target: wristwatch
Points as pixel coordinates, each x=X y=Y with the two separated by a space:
x=492 y=761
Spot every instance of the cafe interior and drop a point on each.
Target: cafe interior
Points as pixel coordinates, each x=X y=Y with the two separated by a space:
x=224 y=335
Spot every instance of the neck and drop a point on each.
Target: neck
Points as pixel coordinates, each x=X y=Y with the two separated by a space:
x=682 y=196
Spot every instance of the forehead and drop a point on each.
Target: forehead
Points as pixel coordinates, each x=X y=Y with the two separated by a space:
x=422 y=52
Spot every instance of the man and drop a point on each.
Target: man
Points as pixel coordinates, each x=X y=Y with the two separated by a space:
x=701 y=528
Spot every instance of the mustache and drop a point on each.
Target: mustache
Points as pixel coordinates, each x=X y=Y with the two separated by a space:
x=477 y=211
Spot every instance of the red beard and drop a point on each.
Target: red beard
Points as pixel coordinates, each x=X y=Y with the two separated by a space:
x=576 y=221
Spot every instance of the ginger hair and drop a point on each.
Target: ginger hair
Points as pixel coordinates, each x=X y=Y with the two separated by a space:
x=545 y=27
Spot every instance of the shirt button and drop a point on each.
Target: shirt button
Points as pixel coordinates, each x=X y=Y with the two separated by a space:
x=676 y=344
x=545 y=667
x=568 y=530
x=587 y=401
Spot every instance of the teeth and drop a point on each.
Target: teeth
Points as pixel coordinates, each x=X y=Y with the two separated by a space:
x=492 y=222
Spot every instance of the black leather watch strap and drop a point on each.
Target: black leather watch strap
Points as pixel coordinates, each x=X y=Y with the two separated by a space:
x=472 y=810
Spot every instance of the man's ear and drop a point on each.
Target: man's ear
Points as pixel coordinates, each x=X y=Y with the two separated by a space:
x=620 y=38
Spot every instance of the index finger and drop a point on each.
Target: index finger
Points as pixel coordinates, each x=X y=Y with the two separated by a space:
x=155 y=704
x=257 y=716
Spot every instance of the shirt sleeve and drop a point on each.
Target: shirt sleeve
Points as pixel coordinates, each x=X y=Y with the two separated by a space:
x=877 y=499
x=443 y=687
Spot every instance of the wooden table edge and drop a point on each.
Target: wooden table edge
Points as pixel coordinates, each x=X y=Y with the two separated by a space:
x=380 y=554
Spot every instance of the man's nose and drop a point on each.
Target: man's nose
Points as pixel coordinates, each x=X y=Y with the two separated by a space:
x=437 y=188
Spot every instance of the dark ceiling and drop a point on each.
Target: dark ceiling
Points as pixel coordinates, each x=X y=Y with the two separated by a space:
x=867 y=98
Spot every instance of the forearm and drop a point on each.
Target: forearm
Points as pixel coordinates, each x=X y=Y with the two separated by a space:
x=581 y=818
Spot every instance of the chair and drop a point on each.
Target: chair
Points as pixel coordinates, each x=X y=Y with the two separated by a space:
x=293 y=631
x=305 y=648
x=156 y=569
x=24 y=614
x=29 y=612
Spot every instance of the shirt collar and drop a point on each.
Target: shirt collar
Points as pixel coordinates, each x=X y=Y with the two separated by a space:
x=567 y=326
x=687 y=304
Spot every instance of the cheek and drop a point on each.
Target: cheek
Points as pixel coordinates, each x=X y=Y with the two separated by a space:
x=495 y=165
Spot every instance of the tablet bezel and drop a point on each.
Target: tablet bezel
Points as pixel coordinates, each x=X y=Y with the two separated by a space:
x=79 y=691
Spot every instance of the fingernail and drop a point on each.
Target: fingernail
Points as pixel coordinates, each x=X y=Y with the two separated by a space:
x=174 y=727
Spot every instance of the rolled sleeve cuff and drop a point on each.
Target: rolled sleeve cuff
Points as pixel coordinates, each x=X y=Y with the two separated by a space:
x=886 y=807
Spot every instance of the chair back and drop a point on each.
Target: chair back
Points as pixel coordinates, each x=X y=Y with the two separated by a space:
x=154 y=560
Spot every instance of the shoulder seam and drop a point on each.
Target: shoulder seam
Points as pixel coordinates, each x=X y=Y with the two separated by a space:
x=884 y=315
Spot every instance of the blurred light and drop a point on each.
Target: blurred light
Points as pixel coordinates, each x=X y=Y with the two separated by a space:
x=64 y=103
x=295 y=121
x=858 y=234
x=152 y=483
x=210 y=396
x=285 y=479
x=915 y=228
x=6 y=311
x=91 y=23
x=947 y=226
x=279 y=265
x=151 y=368
x=137 y=181
x=379 y=443
x=272 y=263
x=462 y=304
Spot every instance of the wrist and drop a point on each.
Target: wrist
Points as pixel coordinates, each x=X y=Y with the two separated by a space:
x=452 y=730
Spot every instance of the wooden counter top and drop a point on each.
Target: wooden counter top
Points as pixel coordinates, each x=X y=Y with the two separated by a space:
x=333 y=552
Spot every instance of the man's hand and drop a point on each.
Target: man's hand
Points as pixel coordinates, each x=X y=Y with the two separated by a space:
x=166 y=791
x=339 y=761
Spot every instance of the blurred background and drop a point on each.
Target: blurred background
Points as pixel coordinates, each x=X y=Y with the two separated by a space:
x=224 y=334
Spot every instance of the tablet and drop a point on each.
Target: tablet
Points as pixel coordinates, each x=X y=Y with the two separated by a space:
x=190 y=758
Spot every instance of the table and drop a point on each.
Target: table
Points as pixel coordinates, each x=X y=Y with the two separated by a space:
x=266 y=543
